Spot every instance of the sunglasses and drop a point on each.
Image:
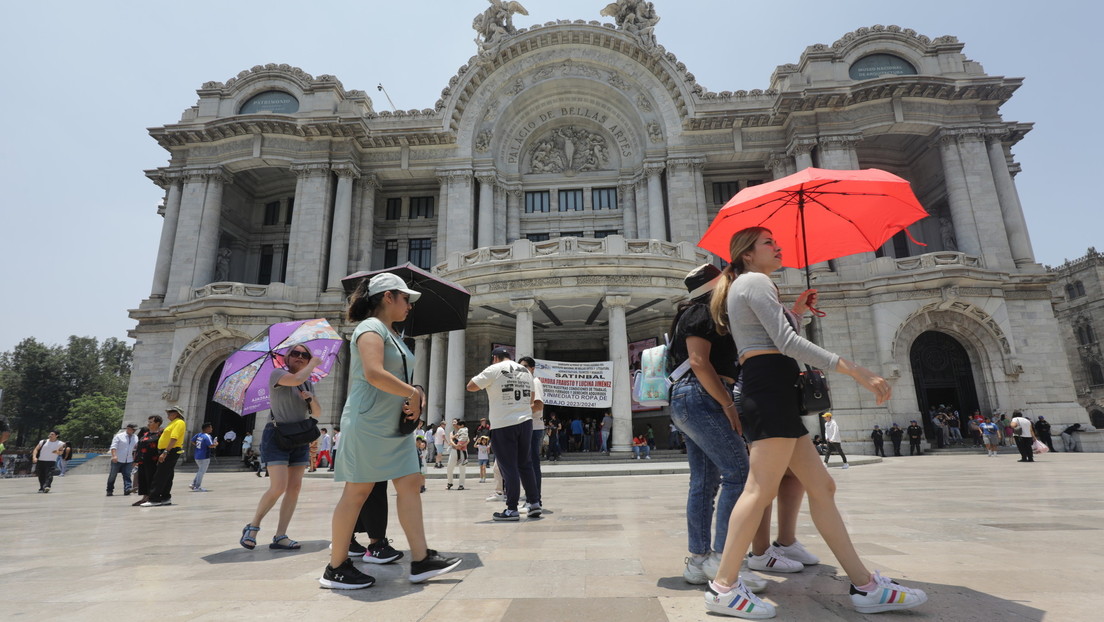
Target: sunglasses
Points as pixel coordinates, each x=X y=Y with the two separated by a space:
x=298 y=354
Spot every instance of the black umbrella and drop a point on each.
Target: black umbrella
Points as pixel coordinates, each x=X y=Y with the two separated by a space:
x=442 y=307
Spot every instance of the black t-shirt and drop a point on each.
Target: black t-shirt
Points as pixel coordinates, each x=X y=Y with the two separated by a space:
x=696 y=322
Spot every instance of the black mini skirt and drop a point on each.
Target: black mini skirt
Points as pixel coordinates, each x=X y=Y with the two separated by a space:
x=772 y=406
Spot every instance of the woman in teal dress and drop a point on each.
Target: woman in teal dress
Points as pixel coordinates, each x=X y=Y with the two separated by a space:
x=372 y=448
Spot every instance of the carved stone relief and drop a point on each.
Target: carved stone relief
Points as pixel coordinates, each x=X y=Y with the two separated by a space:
x=569 y=150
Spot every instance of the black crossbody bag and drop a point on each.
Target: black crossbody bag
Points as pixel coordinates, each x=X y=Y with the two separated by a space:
x=406 y=426
x=296 y=433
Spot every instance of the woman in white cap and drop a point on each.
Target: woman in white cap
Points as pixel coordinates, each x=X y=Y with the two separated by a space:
x=745 y=303
x=372 y=447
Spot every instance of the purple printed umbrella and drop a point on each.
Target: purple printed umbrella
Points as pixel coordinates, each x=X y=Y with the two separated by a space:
x=244 y=384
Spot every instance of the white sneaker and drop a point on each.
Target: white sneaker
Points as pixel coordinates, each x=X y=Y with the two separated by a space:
x=695 y=571
x=498 y=496
x=738 y=602
x=772 y=560
x=798 y=553
x=846 y=466
x=887 y=596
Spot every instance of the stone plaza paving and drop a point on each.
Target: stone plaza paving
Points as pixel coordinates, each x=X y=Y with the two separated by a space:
x=987 y=538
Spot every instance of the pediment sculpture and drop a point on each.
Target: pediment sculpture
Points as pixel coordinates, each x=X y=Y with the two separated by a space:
x=637 y=17
x=496 y=21
x=569 y=150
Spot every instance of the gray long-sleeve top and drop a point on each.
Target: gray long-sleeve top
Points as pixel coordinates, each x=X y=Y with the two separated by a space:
x=757 y=321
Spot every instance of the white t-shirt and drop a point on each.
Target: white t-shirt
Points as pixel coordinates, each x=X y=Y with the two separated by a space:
x=439 y=436
x=48 y=449
x=509 y=393
x=538 y=395
x=831 y=431
x=1021 y=426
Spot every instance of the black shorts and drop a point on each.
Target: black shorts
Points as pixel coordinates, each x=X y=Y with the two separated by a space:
x=772 y=407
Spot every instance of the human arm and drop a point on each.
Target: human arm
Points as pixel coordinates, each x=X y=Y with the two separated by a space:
x=807 y=300
x=301 y=376
x=698 y=349
x=115 y=448
x=758 y=292
x=370 y=348
x=482 y=380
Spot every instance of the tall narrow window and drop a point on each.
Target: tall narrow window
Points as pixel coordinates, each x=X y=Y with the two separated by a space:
x=900 y=245
x=290 y=208
x=724 y=190
x=571 y=200
x=272 y=213
x=604 y=198
x=390 y=253
x=420 y=252
x=394 y=209
x=537 y=201
x=264 y=273
x=283 y=264
x=421 y=207
x=1096 y=375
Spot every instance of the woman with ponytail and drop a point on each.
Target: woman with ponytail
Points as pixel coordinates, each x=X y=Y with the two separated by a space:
x=745 y=304
x=372 y=448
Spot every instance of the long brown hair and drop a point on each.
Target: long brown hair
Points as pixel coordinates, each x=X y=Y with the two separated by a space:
x=742 y=241
x=361 y=306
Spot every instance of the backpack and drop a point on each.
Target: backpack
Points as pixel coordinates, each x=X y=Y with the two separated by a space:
x=652 y=382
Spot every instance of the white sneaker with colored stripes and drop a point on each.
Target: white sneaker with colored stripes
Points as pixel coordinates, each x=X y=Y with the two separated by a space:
x=773 y=560
x=737 y=602
x=887 y=596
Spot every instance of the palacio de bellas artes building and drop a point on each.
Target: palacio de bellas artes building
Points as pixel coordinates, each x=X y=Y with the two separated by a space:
x=563 y=178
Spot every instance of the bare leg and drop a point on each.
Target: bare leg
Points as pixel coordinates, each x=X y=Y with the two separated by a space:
x=761 y=541
x=277 y=483
x=291 y=497
x=790 y=495
x=344 y=520
x=767 y=465
x=409 y=506
x=806 y=465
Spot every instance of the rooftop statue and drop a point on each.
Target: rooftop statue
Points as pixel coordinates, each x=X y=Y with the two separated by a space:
x=497 y=20
x=634 y=16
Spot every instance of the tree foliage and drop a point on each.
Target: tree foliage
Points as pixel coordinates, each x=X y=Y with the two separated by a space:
x=43 y=384
x=92 y=421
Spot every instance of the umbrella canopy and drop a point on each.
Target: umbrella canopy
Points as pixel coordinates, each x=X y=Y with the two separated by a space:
x=244 y=384
x=442 y=307
x=819 y=214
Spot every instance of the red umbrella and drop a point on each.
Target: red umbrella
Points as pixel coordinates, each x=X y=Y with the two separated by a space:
x=820 y=214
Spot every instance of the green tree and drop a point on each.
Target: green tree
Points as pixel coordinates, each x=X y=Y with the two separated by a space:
x=92 y=421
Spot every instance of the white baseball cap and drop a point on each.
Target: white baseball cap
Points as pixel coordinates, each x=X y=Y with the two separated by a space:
x=386 y=282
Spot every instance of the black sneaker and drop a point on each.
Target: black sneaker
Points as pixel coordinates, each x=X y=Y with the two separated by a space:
x=356 y=548
x=381 y=552
x=431 y=566
x=507 y=515
x=345 y=577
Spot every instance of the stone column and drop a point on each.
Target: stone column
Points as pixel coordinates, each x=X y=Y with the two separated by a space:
x=683 y=182
x=457 y=379
x=459 y=225
x=802 y=151
x=369 y=184
x=172 y=182
x=209 y=227
x=440 y=248
x=500 y=208
x=487 y=181
x=640 y=194
x=523 y=341
x=657 y=224
x=307 y=226
x=1019 y=239
x=958 y=197
x=619 y=354
x=278 y=254
x=342 y=221
x=436 y=396
x=513 y=214
x=626 y=197
x=421 y=360
x=838 y=153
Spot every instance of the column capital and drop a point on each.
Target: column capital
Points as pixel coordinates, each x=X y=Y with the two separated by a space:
x=217 y=173
x=654 y=169
x=346 y=170
x=616 y=300
x=489 y=178
x=963 y=134
x=310 y=169
x=840 y=141
x=523 y=304
x=456 y=174
x=165 y=177
x=694 y=164
x=369 y=180
x=778 y=160
x=801 y=145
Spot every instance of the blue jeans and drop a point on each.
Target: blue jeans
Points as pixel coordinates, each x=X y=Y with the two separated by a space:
x=718 y=460
x=120 y=467
x=201 y=464
x=641 y=450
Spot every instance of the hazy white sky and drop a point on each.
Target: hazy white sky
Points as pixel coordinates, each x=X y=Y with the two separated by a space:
x=85 y=80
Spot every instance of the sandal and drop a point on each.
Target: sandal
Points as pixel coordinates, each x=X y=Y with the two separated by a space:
x=277 y=543
x=247 y=539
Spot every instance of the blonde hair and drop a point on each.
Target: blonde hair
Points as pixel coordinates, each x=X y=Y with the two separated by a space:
x=742 y=241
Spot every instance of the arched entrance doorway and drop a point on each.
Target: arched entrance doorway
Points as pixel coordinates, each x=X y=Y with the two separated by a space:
x=942 y=374
x=223 y=420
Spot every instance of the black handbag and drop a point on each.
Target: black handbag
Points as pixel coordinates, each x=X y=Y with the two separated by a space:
x=406 y=426
x=813 y=391
x=296 y=433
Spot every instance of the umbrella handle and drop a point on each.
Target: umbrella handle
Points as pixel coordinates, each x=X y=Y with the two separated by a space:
x=817 y=312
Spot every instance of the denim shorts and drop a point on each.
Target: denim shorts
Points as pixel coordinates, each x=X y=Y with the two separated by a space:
x=272 y=455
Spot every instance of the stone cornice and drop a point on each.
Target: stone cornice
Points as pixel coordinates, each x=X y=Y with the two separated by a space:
x=346 y=169
x=369 y=180
x=692 y=163
x=840 y=141
x=310 y=169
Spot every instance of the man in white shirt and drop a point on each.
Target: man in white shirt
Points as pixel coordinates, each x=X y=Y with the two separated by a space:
x=44 y=458
x=832 y=437
x=509 y=395
x=537 y=407
x=1025 y=436
x=122 y=458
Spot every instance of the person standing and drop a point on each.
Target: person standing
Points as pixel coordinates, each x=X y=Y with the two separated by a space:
x=607 y=432
x=832 y=436
x=374 y=449
x=895 y=436
x=336 y=440
x=1024 y=433
x=456 y=454
x=439 y=444
x=123 y=445
x=169 y=447
x=44 y=459
x=145 y=456
x=915 y=433
x=538 y=420
x=509 y=389
x=325 y=444
x=989 y=436
x=879 y=438
x=1042 y=430
x=203 y=444
x=1006 y=429
x=292 y=400
x=247 y=442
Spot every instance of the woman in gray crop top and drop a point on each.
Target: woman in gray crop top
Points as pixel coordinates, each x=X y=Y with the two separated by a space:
x=745 y=303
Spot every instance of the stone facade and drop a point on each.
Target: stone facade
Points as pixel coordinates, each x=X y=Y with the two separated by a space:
x=563 y=177
x=1078 y=294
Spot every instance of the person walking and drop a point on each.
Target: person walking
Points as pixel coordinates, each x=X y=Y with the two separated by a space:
x=169 y=447
x=373 y=449
x=895 y=436
x=537 y=405
x=915 y=434
x=292 y=400
x=122 y=450
x=325 y=444
x=879 y=439
x=832 y=436
x=204 y=445
x=509 y=389
x=145 y=456
x=1024 y=433
x=44 y=460
x=745 y=303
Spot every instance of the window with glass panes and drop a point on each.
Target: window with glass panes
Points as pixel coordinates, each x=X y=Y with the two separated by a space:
x=724 y=190
x=604 y=198
x=421 y=207
x=394 y=209
x=571 y=200
x=290 y=208
x=264 y=272
x=272 y=213
x=605 y=233
x=390 y=253
x=536 y=237
x=537 y=201
x=420 y=252
x=571 y=234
